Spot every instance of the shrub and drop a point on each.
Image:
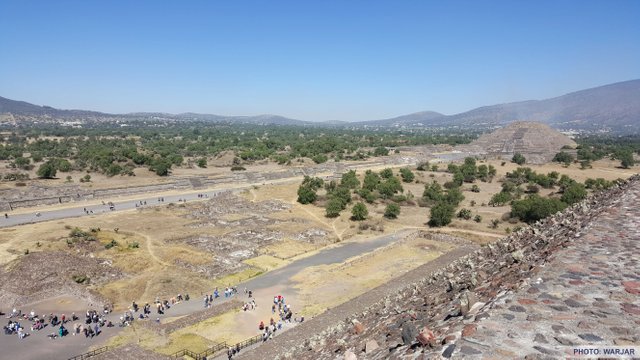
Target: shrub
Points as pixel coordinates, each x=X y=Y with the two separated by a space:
x=386 y=173
x=80 y=279
x=564 y=158
x=574 y=193
x=306 y=194
x=441 y=214
x=477 y=218
x=350 y=180
x=392 y=211
x=432 y=193
x=423 y=166
x=535 y=208
x=371 y=180
x=518 y=159
x=407 y=175
x=111 y=244
x=333 y=208
x=500 y=199
x=381 y=151
x=389 y=187
x=47 y=170
x=464 y=214
x=133 y=245
x=359 y=212
x=320 y=158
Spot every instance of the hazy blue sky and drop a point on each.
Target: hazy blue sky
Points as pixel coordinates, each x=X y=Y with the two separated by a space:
x=311 y=60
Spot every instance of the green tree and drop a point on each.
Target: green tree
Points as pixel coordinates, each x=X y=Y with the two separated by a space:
x=342 y=194
x=483 y=172
x=113 y=169
x=454 y=196
x=492 y=171
x=202 y=162
x=371 y=180
x=464 y=214
x=320 y=158
x=432 y=193
x=381 y=151
x=367 y=195
x=333 y=208
x=47 y=170
x=518 y=159
x=564 y=182
x=392 y=211
x=389 y=187
x=626 y=159
x=315 y=183
x=458 y=178
x=574 y=193
x=161 y=167
x=306 y=195
x=564 y=158
x=469 y=170
x=22 y=162
x=441 y=214
x=350 y=180
x=359 y=212
x=535 y=208
x=407 y=175
x=500 y=198
x=62 y=164
x=386 y=173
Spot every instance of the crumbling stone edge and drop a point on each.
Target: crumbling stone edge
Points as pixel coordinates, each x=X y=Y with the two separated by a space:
x=440 y=300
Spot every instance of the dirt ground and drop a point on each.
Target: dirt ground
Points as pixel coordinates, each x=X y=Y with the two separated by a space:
x=163 y=251
x=325 y=286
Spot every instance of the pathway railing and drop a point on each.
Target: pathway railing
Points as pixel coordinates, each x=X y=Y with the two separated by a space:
x=215 y=349
x=89 y=354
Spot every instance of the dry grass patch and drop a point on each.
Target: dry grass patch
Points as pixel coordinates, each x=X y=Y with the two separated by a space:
x=325 y=286
x=288 y=248
x=191 y=341
x=266 y=262
x=221 y=328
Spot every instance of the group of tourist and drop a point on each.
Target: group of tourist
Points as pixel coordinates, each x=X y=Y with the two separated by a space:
x=228 y=292
x=249 y=305
x=285 y=313
x=93 y=324
x=40 y=322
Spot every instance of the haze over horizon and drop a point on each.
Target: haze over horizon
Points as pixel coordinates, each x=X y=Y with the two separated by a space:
x=321 y=61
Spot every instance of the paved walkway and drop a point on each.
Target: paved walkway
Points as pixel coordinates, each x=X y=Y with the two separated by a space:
x=97 y=209
x=588 y=294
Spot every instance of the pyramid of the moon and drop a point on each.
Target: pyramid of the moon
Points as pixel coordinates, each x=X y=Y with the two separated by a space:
x=536 y=141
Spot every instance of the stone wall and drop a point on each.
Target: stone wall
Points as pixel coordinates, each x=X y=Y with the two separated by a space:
x=441 y=300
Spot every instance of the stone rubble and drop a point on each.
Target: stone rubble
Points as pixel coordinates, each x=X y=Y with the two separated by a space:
x=571 y=279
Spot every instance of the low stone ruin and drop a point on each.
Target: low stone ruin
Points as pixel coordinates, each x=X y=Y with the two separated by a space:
x=425 y=316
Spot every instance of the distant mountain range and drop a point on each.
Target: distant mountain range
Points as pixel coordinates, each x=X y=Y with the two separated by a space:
x=614 y=107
